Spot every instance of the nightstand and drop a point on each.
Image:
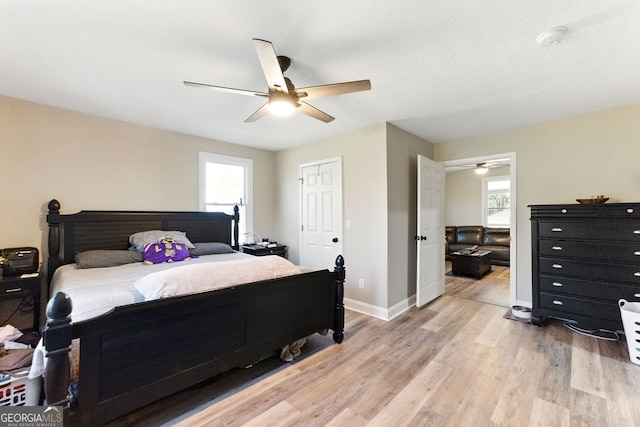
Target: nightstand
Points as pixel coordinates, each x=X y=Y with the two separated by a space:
x=13 y=287
x=257 y=250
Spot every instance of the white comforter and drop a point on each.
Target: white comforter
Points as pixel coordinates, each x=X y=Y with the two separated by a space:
x=96 y=291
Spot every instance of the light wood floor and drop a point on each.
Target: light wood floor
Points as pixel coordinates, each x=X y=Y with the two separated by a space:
x=455 y=362
x=492 y=288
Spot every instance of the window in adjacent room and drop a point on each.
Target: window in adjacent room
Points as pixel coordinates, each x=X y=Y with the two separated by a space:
x=496 y=201
x=225 y=182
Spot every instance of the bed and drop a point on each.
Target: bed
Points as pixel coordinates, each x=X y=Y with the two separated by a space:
x=134 y=354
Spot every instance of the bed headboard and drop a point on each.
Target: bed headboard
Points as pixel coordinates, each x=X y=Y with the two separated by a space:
x=89 y=230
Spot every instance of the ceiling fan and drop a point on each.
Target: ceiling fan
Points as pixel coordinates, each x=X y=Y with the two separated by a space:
x=283 y=97
x=482 y=168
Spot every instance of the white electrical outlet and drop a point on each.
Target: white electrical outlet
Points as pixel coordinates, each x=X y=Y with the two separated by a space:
x=361 y=283
x=348 y=224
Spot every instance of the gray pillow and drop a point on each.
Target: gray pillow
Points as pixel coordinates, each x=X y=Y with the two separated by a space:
x=211 y=248
x=140 y=240
x=107 y=258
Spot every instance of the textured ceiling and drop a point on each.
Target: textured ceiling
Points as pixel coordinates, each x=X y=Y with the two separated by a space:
x=440 y=70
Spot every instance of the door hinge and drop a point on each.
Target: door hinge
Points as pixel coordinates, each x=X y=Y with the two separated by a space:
x=302 y=227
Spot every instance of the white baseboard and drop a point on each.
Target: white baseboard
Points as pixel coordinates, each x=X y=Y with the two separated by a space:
x=380 y=312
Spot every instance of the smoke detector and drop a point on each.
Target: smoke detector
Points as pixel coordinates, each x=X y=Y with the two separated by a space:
x=551 y=37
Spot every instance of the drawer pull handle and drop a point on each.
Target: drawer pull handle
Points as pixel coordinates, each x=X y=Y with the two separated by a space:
x=629 y=211
x=636 y=295
x=8 y=291
x=636 y=231
x=559 y=248
x=637 y=274
x=636 y=253
x=558 y=230
x=563 y=211
x=560 y=266
x=557 y=284
x=556 y=302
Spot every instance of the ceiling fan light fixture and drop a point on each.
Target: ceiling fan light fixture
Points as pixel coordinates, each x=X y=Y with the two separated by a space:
x=281 y=104
x=481 y=168
x=281 y=108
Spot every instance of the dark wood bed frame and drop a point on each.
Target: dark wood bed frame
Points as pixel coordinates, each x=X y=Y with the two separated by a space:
x=139 y=353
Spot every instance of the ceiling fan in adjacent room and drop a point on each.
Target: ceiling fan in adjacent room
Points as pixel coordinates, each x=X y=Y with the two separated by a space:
x=283 y=98
x=482 y=168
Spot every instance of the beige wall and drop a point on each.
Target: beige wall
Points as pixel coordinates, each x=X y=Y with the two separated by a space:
x=364 y=198
x=379 y=197
x=88 y=162
x=402 y=176
x=463 y=201
x=560 y=161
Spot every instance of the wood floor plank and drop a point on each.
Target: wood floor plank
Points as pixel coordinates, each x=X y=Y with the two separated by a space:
x=484 y=384
x=493 y=330
x=516 y=398
x=347 y=418
x=589 y=410
x=547 y=414
x=554 y=385
x=406 y=404
x=280 y=414
x=586 y=369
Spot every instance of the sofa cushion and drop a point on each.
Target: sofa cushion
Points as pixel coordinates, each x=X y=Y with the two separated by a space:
x=450 y=234
x=496 y=237
x=469 y=234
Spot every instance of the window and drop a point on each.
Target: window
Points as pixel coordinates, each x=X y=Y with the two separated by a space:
x=225 y=182
x=497 y=201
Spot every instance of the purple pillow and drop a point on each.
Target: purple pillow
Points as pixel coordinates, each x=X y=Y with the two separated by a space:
x=156 y=253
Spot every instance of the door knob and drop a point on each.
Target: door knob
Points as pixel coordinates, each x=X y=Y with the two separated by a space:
x=334 y=240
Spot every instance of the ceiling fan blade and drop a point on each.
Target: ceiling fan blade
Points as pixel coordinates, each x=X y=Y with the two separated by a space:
x=314 y=112
x=314 y=92
x=261 y=112
x=270 y=65
x=226 y=89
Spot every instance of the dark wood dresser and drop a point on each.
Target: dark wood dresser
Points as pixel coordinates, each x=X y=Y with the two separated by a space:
x=584 y=259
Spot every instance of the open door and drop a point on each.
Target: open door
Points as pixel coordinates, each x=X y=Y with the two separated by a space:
x=430 y=234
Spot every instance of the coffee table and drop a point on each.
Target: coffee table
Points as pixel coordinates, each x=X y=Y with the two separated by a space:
x=470 y=262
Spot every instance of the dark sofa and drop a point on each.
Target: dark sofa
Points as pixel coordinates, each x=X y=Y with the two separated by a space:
x=496 y=240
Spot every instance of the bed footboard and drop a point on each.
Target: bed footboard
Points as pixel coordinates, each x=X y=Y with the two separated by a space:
x=137 y=354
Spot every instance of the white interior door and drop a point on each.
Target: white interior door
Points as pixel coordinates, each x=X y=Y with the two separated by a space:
x=430 y=233
x=321 y=217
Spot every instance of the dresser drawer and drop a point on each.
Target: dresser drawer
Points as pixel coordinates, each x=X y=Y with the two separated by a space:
x=579 y=306
x=590 y=250
x=592 y=270
x=14 y=290
x=627 y=231
x=618 y=211
x=588 y=288
x=565 y=211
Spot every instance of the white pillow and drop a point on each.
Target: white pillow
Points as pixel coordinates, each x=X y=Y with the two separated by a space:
x=208 y=276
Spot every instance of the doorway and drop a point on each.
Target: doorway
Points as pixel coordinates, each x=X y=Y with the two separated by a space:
x=505 y=159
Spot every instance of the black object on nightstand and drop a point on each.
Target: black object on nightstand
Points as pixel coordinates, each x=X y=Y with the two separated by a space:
x=257 y=250
x=13 y=287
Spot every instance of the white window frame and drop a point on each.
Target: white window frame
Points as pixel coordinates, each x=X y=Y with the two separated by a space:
x=246 y=213
x=485 y=206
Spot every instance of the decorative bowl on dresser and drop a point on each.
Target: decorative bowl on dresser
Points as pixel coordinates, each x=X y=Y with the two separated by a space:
x=584 y=259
